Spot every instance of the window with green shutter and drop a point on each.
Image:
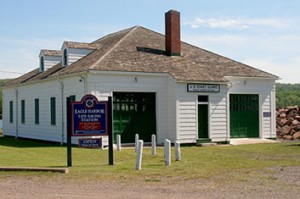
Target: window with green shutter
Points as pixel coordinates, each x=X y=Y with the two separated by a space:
x=23 y=111
x=37 y=111
x=11 y=112
x=53 y=110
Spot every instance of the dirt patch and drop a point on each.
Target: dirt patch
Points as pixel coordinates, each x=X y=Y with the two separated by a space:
x=276 y=182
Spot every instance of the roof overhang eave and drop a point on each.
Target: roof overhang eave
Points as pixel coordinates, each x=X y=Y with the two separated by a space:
x=262 y=78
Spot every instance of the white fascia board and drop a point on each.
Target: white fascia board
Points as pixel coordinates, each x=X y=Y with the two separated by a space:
x=243 y=77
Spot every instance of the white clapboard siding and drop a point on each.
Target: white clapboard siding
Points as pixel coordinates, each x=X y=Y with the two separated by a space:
x=7 y=96
x=187 y=114
x=218 y=115
x=75 y=54
x=176 y=109
x=103 y=85
x=29 y=92
x=50 y=61
x=186 y=107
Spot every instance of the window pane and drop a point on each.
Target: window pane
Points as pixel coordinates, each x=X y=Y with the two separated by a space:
x=203 y=98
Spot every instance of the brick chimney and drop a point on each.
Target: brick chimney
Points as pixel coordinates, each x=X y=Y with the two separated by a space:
x=172 y=36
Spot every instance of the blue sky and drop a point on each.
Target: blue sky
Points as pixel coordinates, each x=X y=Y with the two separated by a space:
x=262 y=33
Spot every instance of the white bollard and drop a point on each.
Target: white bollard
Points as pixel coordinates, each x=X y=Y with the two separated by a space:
x=177 y=151
x=136 y=142
x=165 y=144
x=153 y=144
x=138 y=165
x=118 y=142
x=167 y=152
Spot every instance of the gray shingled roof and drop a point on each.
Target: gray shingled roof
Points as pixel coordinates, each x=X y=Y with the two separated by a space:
x=82 y=45
x=51 y=52
x=138 y=49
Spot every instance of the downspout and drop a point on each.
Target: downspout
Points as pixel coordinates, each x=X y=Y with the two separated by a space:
x=62 y=111
x=17 y=113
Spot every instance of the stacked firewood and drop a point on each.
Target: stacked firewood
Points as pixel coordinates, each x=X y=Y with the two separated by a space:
x=288 y=123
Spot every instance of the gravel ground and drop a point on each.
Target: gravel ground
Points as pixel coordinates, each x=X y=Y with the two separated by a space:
x=272 y=183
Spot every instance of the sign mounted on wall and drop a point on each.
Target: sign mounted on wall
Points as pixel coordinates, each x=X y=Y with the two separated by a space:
x=267 y=114
x=215 y=88
x=89 y=117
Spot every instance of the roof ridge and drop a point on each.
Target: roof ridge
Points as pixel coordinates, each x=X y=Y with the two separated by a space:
x=111 y=35
x=112 y=48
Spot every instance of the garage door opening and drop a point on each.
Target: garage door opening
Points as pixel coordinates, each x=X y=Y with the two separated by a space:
x=244 y=116
x=134 y=113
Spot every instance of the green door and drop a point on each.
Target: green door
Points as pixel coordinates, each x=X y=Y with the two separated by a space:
x=134 y=113
x=244 y=116
x=202 y=121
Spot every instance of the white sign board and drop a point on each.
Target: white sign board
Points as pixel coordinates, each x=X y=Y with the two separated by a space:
x=203 y=88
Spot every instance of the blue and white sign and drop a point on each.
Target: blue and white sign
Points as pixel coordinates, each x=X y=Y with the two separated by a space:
x=89 y=117
x=90 y=143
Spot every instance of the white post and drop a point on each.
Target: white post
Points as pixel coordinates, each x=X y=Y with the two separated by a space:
x=167 y=152
x=118 y=142
x=177 y=151
x=153 y=144
x=138 y=165
x=136 y=142
x=165 y=145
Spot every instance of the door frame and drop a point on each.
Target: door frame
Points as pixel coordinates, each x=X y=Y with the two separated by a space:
x=208 y=114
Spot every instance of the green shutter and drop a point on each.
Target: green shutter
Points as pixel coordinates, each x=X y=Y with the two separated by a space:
x=42 y=64
x=37 y=111
x=65 y=57
x=11 y=112
x=53 y=110
x=22 y=111
x=72 y=98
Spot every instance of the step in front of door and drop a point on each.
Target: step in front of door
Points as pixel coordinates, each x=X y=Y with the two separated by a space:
x=203 y=140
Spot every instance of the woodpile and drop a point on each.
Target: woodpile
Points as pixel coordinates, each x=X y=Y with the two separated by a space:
x=288 y=123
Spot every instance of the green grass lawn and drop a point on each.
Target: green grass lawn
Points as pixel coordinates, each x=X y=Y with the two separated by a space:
x=197 y=162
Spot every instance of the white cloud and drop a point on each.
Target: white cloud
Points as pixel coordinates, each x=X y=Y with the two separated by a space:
x=221 y=23
x=276 y=54
x=287 y=72
x=21 y=55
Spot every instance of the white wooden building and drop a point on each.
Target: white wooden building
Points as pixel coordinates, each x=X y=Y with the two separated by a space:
x=159 y=85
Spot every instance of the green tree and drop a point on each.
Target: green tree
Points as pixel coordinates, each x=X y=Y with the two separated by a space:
x=287 y=95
